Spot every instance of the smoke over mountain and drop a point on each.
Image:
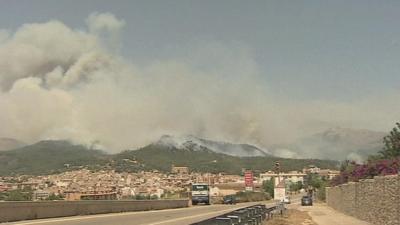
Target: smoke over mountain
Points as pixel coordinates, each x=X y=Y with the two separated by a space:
x=63 y=83
x=197 y=144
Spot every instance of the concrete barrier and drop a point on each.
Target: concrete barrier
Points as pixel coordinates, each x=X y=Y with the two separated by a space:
x=15 y=211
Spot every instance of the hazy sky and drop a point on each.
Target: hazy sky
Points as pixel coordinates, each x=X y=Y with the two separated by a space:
x=337 y=62
x=306 y=49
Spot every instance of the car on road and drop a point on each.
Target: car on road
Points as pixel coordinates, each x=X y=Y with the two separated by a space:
x=306 y=200
x=286 y=200
x=230 y=199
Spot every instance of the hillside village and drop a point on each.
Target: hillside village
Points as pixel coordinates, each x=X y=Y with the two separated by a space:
x=109 y=185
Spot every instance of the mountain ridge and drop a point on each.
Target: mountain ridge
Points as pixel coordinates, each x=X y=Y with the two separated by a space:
x=47 y=157
x=195 y=143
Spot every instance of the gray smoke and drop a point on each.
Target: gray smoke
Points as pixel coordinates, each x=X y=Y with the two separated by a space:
x=61 y=83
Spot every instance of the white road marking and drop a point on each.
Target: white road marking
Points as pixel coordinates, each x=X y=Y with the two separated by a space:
x=92 y=217
x=44 y=221
x=194 y=216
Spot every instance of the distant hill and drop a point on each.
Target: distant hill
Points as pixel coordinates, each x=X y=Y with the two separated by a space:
x=339 y=144
x=162 y=157
x=10 y=143
x=194 y=143
x=47 y=157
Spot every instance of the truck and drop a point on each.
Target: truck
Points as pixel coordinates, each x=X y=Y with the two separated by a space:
x=200 y=193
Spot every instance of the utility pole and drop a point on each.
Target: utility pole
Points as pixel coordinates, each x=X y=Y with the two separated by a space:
x=277 y=169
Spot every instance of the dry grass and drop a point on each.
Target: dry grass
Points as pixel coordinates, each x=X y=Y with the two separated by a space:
x=292 y=217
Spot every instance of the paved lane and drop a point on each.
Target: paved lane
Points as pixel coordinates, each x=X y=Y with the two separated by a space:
x=160 y=217
x=324 y=215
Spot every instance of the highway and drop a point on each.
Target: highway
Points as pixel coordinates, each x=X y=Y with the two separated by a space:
x=181 y=216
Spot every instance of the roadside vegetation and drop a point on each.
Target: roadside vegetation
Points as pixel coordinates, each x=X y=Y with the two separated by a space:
x=386 y=162
x=291 y=217
x=251 y=196
x=16 y=195
x=317 y=184
x=295 y=187
x=268 y=187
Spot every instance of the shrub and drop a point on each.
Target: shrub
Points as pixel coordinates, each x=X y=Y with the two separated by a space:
x=355 y=172
x=250 y=196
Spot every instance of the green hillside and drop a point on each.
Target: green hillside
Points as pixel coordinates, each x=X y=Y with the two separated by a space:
x=161 y=158
x=47 y=157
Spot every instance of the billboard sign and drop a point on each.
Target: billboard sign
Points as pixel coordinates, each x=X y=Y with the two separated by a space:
x=248 y=180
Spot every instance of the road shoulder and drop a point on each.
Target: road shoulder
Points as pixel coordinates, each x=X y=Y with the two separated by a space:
x=324 y=215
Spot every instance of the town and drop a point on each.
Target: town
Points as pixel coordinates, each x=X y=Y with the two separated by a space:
x=84 y=184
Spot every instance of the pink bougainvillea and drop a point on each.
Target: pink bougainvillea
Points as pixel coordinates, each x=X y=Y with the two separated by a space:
x=355 y=172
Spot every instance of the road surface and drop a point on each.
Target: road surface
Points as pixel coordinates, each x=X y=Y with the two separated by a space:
x=181 y=216
x=324 y=215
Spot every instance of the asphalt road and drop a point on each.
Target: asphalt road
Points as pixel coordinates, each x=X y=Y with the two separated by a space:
x=324 y=215
x=181 y=216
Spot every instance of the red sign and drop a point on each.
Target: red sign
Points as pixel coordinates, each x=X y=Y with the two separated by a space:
x=248 y=179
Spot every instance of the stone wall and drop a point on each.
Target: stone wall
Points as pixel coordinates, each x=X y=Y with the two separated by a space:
x=15 y=211
x=373 y=200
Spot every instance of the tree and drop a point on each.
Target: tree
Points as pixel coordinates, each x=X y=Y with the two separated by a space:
x=293 y=187
x=314 y=180
x=392 y=144
x=387 y=162
x=321 y=194
x=18 y=195
x=268 y=187
x=140 y=197
x=3 y=196
x=154 y=197
x=316 y=184
x=53 y=197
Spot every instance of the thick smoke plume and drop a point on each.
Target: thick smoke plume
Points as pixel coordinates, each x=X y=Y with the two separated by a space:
x=61 y=83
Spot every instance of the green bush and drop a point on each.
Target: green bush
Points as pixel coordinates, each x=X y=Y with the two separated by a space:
x=250 y=196
x=18 y=195
x=268 y=187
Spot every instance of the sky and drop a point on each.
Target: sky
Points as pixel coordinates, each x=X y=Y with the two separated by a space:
x=263 y=72
x=348 y=48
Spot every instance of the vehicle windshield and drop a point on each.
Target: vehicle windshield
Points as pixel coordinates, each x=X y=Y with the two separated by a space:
x=200 y=188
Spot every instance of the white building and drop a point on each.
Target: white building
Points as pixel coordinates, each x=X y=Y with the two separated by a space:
x=40 y=195
x=279 y=189
x=292 y=176
x=311 y=169
x=127 y=191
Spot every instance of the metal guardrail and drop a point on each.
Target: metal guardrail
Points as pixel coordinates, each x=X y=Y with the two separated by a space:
x=252 y=215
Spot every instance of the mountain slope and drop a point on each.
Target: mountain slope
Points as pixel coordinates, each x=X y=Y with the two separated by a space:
x=10 y=143
x=48 y=157
x=194 y=143
x=162 y=157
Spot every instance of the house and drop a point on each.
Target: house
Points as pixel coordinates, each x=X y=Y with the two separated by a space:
x=179 y=170
x=292 y=176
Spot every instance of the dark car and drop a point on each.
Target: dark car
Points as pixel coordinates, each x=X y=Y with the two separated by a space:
x=306 y=200
x=230 y=199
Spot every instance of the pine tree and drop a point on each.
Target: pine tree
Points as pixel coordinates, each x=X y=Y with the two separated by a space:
x=392 y=144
